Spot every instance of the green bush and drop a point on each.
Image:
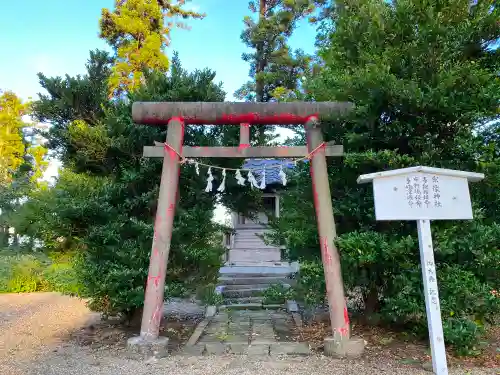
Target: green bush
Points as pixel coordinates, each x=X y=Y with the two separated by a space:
x=36 y=272
x=278 y=294
x=23 y=273
x=61 y=277
x=310 y=288
x=209 y=296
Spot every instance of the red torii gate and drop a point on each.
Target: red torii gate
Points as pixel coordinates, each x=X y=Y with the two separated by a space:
x=178 y=114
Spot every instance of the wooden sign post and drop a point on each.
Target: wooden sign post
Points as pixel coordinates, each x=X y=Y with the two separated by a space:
x=424 y=194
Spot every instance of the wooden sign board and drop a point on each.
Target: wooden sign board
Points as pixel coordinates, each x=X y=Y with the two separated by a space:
x=422 y=196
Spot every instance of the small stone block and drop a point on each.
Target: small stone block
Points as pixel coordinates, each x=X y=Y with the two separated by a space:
x=292 y=306
x=344 y=347
x=139 y=348
x=215 y=348
x=290 y=348
x=238 y=348
x=258 y=349
x=210 y=311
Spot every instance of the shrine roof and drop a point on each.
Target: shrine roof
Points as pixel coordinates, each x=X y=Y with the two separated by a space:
x=272 y=167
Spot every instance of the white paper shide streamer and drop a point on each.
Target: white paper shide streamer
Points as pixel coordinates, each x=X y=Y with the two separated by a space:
x=210 y=178
x=252 y=180
x=239 y=178
x=222 y=186
x=263 y=180
x=196 y=166
x=282 y=175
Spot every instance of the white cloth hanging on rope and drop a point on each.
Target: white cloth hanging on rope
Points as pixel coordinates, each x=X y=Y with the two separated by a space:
x=282 y=175
x=222 y=186
x=239 y=178
x=210 y=178
x=263 y=179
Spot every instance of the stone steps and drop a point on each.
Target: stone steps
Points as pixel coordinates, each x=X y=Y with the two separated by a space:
x=263 y=255
x=244 y=300
x=252 y=245
x=250 y=286
x=245 y=291
x=248 y=280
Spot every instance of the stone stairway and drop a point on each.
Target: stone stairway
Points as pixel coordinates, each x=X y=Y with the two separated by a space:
x=244 y=284
x=252 y=267
x=249 y=247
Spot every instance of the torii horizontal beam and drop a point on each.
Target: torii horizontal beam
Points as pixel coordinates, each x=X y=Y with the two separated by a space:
x=158 y=151
x=235 y=113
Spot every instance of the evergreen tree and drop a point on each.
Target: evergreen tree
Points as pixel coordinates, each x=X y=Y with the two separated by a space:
x=138 y=32
x=274 y=68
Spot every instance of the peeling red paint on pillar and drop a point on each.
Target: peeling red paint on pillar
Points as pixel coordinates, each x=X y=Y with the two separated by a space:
x=326 y=251
x=346 y=316
x=326 y=230
x=155 y=285
x=243 y=146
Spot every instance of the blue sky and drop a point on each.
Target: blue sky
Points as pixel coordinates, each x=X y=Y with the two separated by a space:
x=55 y=36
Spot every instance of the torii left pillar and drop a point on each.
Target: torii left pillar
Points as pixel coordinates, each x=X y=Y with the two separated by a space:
x=149 y=343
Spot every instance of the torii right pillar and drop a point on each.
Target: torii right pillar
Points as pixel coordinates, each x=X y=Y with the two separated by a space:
x=340 y=344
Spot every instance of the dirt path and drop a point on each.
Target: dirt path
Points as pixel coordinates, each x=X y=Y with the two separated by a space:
x=32 y=324
x=33 y=340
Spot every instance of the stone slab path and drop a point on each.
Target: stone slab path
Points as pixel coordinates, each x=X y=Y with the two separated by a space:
x=251 y=332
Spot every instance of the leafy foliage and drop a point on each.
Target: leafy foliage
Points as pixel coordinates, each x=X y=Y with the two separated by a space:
x=277 y=294
x=22 y=160
x=12 y=147
x=24 y=272
x=137 y=31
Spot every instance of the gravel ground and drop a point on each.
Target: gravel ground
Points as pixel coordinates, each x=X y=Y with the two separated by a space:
x=34 y=327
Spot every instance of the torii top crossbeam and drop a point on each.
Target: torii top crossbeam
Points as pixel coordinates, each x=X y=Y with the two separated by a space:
x=235 y=113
